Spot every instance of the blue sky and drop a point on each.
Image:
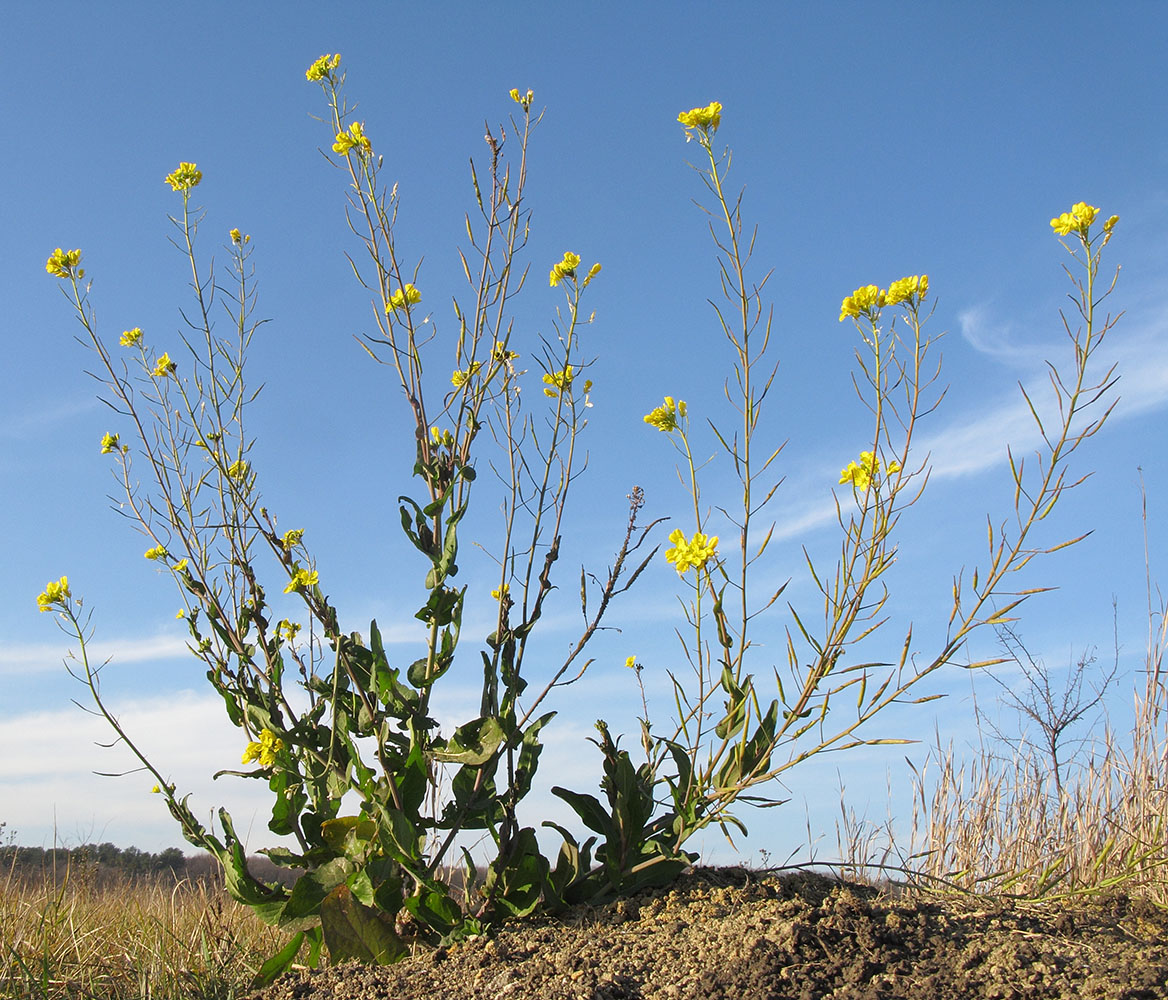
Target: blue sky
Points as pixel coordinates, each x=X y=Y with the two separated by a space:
x=873 y=141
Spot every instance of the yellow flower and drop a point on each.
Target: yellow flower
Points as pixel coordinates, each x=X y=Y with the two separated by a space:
x=695 y=552
x=403 y=297
x=187 y=176
x=155 y=790
x=181 y=613
x=860 y=474
x=904 y=289
x=264 y=749
x=441 y=438
x=109 y=442
x=301 y=578
x=500 y=592
x=292 y=538
x=500 y=353
x=238 y=238
x=459 y=379
x=63 y=264
x=1078 y=220
x=179 y=567
x=523 y=99
x=238 y=470
x=1109 y=225
x=163 y=367
x=707 y=119
x=631 y=662
x=864 y=301
x=287 y=630
x=54 y=593
x=323 y=67
x=664 y=418
x=130 y=337
x=355 y=138
x=593 y=271
x=566 y=268
x=558 y=381
x=158 y=552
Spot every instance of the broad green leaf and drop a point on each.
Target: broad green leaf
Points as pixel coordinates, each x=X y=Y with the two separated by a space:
x=473 y=743
x=355 y=932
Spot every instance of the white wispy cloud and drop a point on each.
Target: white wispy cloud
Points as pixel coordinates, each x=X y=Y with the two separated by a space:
x=975 y=441
x=42 y=657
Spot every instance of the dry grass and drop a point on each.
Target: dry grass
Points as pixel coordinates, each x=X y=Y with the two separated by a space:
x=75 y=939
x=1033 y=825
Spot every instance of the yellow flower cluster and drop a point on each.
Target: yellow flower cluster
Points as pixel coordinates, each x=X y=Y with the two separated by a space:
x=707 y=119
x=130 y=337
x=860 y=474
x=500 y=353
x=264 y=749
x=694 y=552
x=355 y=138
x=862 y=300
x=158 y=552
x=238 y=470
x=1079 y=219
x=292 y=538
x=403 y=297
x=287 y=630
x=459 y=379
x=109 y=442
x=54 y=593
x=323 y=68
x=187 y=176
x=524 y=99
x=238 y=238
x=566 y=268
x=558 y=381
x=905 y=288
x=441 y=438
x=866 y=300
x=500 y=592
x=664 y=418
x=163 y=367
x=301 y=578
x=63 y=264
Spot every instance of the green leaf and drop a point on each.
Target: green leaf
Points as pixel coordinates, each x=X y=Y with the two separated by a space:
x=288 y=801
x=349 y=835
x=239 y=881
x=473 y=743
x=522 y=879
x=735 y=717
x=435 y=910
x=473 y=809
x=588 y=809
x=566 y=882
x=413 y=782
x=356 y=932
x=423 y=539
x=279 y=963
x=529 y=752
x=310 y=890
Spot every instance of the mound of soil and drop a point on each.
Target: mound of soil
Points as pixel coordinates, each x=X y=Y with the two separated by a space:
x=741 y=935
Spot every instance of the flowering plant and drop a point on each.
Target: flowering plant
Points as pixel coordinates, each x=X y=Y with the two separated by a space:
x=369 y=788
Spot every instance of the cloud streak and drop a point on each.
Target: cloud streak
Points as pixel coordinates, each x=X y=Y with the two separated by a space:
x=975 y=442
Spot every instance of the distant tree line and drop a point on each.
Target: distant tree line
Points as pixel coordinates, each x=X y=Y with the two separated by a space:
x=105 y=858
x=108 y=863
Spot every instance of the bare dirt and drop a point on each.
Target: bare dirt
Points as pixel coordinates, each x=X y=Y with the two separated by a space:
x=742 y=935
